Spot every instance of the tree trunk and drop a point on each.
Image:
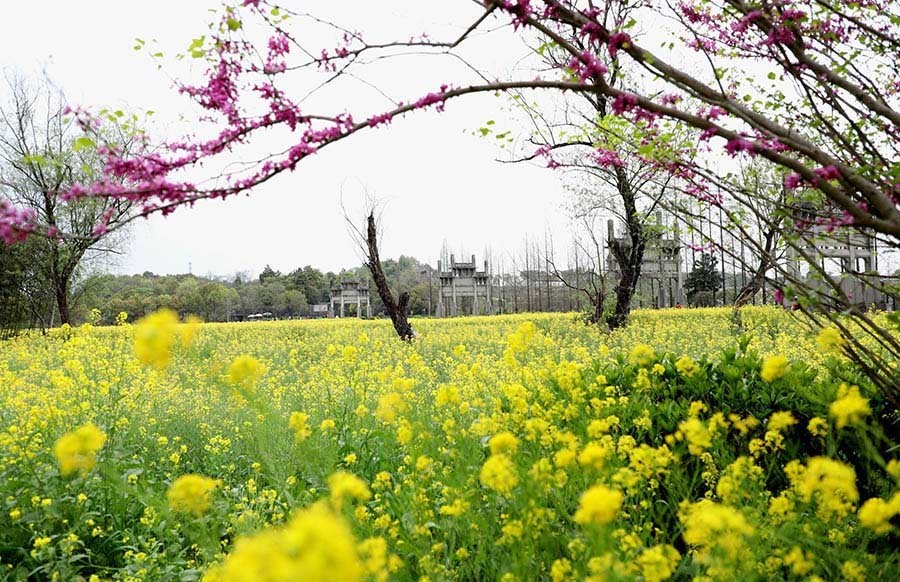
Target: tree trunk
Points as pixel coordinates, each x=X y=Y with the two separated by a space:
x=630 y=267
x=751 y=288
x=397 y=310
x=756 y=282
x=630 y=263
x=62 y=300
x=597 y=304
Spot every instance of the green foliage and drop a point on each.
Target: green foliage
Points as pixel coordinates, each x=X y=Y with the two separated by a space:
x=704 y=280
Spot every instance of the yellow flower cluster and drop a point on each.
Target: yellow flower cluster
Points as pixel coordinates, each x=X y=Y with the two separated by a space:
x=850 y=406
x=315 y=545
x=155 y=337
x=245 y=371
x=504 y=448
x=774 y=367
x=77 y=451
x=191 y=494
x=598 y=505
x=830 y=341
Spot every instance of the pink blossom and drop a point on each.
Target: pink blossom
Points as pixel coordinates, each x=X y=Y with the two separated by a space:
x=520 y=10
x=608 y=158
x=670 y=99
x=618 y=40
x=792 y=181
x=733 y=146
x=828 y=173
x=587 y=65
x=624 y=102
x=792 y=14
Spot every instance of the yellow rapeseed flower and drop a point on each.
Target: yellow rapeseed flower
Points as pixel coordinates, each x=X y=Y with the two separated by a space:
x=504 y=442
x=641 y=355
x=773 y=368
x=658 y=563
x=299 y=423
x=876 y=513
x=155 y=336
x=191 y=494
x=315 y=546
x=499 y=473
x=850 y=407
x=245 y=371
x=343 y=485
x=77 y=450
x=817 y=426
x=830 y=341
x=709 y=525
x=598 y=505
x=831 y=483
x=686 y=366
x=190 y=330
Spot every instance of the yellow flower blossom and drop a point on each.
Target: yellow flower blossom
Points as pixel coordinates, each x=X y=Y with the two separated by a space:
x=817 y=426
x=686 y=366
x=299 y=423
x=641 y=355
x=499 y=473
x=876 y=514
x=315 y=546
x=77 y=450
x=598 y=505
x=504 y=442
x=850 y=407
x=191 y=494
x=245 y=371
x=774 y=368
x=343 y=485
x=830 y=483
x=830 y=341
x=709 y=526
x=155 y=337
x=658 y=563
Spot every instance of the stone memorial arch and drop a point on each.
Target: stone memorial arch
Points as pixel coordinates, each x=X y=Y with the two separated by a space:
x=460 y=284
x=662 y=275
x=843 y=254
x=350 y=292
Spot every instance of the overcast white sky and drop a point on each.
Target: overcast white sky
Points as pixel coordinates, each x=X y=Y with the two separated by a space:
x=441 y=182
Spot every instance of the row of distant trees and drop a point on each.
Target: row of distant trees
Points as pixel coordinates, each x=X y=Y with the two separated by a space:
x=291 y=295
x=284 y=295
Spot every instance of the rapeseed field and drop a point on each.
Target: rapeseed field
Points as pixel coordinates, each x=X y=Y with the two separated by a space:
x=687 y=446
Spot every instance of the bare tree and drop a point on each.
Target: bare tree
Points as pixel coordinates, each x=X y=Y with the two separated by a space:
x=587 y=278
x=367 y=240
x=41 y=155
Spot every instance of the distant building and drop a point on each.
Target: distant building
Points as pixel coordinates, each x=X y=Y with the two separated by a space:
x=847 y=256
x=350 y=292
x=662 y=277
x=319 y=310
x=463 y=288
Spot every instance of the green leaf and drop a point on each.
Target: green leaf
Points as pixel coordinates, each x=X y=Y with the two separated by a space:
x=83 y=142
x=233 y=24
x=36 y=160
